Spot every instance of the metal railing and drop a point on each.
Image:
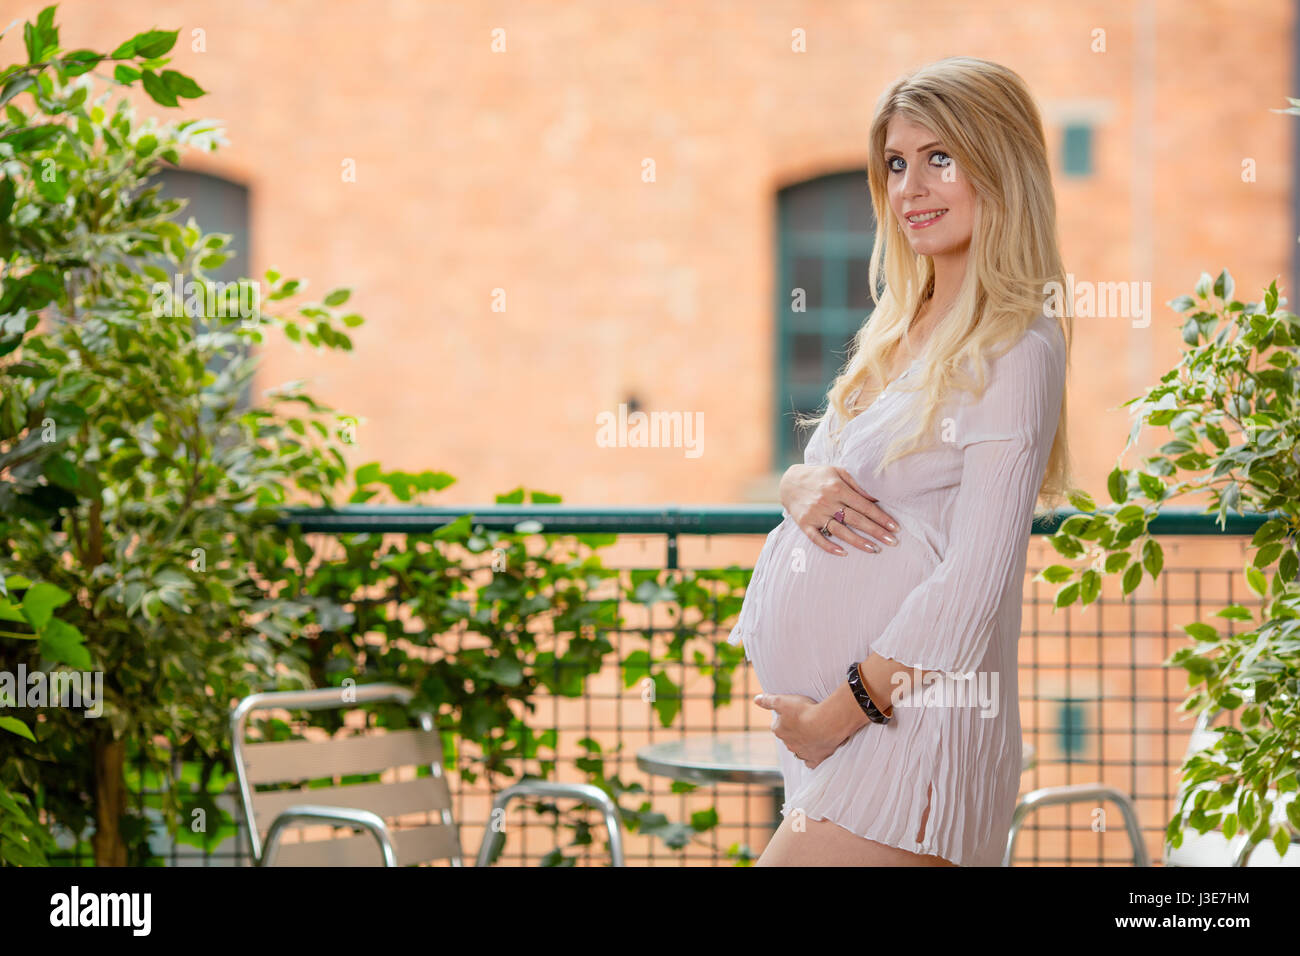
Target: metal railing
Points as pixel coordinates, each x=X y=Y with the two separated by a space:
x=1097 y=704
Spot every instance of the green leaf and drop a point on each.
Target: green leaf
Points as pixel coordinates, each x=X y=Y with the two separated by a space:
x=1132 y=578
x=1151 y=486
x=1056 y=573
x=1116 y=561
x=33 y=43
x=15 y=86
x=1236 y=612
x=1255 y=578
x=1089 y=586
x=81 y=61
x=1117 y=486
x=367 y=473
x=703 y=820
x=1067 y=595
x=157 y=89
x=152 y=44
x=337 y=297
x=1065 y=545
x=125 y=75
x=1223 y=285
x=62 y=642
x=1153 y=557
x=1270 y=530
x=1081 y=500
x=53 y=188
x=668 y=699
x=1281 y=838
x=40 y=601
x=16 y=726
x=1268 y=554
x=1289 y=566
x=1228 y=499
x=636 y=667
x=182 y=85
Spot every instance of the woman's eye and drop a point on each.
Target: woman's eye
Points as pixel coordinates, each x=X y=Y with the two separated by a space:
x=898 y=159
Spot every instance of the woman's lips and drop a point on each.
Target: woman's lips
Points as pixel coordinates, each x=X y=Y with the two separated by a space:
x=927 y=222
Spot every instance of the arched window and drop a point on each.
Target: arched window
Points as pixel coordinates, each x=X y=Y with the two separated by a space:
x=825 y=231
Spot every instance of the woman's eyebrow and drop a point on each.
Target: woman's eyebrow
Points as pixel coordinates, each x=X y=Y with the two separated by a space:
x=919 y=149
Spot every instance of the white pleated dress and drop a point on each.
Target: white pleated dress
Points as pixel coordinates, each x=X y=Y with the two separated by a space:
x=947 y=598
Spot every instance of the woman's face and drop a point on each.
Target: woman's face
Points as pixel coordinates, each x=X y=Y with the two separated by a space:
x=923 y=179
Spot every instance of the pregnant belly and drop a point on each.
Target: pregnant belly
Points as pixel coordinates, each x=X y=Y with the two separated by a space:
x=821 y=611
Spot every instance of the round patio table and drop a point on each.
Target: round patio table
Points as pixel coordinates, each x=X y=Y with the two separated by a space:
x=745 y=757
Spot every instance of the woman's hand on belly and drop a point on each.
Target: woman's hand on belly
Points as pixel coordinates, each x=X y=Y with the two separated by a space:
x=805 y=727
x=814 y=494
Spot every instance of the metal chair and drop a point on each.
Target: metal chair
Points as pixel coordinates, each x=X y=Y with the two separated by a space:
x=1078 y=793
x=368 y=806
x=1198 y=849
x=1075 y=793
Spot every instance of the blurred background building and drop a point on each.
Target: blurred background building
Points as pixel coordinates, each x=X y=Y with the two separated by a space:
x=547 y=210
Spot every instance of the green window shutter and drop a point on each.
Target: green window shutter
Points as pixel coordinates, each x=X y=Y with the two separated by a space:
x=825 y=229
x=1077 y=149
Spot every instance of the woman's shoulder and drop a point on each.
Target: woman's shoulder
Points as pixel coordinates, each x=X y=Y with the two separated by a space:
x=1048 y=330
x=1021 y=384
x=1039 y=352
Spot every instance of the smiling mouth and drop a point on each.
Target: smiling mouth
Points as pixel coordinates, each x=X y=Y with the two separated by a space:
x=924 y=219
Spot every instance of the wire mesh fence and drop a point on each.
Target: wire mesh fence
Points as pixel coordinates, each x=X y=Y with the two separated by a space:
x=1097 y=705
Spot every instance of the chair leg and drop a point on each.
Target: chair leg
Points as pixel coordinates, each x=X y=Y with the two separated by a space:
x=1077 y=793
x=586 y=793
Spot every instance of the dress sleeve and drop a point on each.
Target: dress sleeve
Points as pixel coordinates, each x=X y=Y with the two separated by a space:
x=946 y=622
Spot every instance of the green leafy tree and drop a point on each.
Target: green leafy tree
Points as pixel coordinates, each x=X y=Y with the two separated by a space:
x=1232 y=406
x=139 y=506
x=134 y=494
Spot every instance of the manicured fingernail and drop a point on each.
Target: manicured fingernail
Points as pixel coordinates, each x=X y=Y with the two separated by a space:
x=840 y=551
x=893 y=526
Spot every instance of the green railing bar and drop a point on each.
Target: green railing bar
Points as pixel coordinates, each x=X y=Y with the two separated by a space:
x=705 y=519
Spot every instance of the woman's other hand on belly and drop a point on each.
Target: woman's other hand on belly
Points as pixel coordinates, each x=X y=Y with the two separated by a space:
x=813 y=730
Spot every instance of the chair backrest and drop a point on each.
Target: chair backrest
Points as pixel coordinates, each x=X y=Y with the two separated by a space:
x=298 y=761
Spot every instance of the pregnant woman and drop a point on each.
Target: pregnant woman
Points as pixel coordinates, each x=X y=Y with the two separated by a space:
x=890 y=664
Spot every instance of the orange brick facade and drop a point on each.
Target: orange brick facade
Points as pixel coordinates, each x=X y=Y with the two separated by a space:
x=499 y=151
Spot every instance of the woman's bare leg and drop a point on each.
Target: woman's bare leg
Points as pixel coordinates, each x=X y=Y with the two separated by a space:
x=823 y=843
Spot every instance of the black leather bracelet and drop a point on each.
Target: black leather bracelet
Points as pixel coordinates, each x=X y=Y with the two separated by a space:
x=863 y=698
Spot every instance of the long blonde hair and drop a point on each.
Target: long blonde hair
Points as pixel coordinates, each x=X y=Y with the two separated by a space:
x=987 y=120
